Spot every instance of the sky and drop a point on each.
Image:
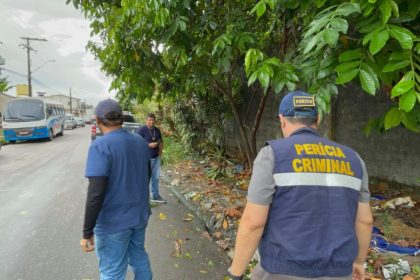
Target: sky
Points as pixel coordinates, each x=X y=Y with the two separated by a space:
x=67 y=33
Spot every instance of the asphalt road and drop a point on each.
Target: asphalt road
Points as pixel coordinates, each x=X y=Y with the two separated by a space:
x=42 y=197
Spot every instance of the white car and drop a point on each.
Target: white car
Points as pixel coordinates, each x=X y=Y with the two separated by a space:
x=70 y=122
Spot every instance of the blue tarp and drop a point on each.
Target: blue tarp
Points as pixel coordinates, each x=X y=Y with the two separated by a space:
x=380 y=244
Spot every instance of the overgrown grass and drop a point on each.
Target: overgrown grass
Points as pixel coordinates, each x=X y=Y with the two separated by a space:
x=173 y=151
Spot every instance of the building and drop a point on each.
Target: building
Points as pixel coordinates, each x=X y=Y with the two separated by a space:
x=78 y=107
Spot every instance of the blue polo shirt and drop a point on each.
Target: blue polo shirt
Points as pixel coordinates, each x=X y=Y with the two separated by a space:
x=151 y=135
x=123 y=157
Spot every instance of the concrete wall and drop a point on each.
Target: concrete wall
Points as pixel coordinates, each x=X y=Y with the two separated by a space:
x=394 y=155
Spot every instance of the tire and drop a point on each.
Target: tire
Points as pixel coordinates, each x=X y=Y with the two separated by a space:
x=12 y=141
x=50 y=135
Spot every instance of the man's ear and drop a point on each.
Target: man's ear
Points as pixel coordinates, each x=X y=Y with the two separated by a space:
x=282 y=122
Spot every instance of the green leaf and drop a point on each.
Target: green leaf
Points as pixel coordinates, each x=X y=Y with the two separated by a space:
x=403 y=36
x=330 y=36
x=372 y=73
x=322 y=104
x=347 y=8
x=395 y=64
x=316 y=26
x=409 y=122
x=367 y=81
x=417 y=49
x=279 y=86
x=407 y=101
x=386 y=9
x=350 y=55
x=370 y=27
x=271 y=3
x=339 y=24
x=395 y=8
x=260 y=8
x=319 y=3
x=291 y=86
x=343 y=67
x=401 y=88
x=393 y=118
x=253 y=77
x=312 y=42
x=378 y=41
x=347 y=76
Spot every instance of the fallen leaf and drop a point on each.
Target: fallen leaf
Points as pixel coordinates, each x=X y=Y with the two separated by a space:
x=217 y=234
x=225 y=224
x=189 y=218
x=233 y=212
x=207 y=235
x=23 y=213
x=188 y=256
x=211 y=263
x=223 y=243
x=178 y=251
x=162 y=216
x=204 y=271
x=176 y=265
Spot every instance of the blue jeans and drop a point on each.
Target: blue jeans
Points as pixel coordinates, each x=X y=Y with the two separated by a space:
x=118 y=250
x=154 y=180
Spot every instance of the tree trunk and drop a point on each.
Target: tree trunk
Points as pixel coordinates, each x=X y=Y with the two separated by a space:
x=257 y=122
x=239 y=122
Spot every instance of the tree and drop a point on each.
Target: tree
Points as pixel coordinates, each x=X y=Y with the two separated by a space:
x=178 y=48
x=183 y=49
x=4 y=85
x=373 y=41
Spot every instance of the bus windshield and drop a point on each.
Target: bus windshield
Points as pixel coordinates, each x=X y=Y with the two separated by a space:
x=24 y=110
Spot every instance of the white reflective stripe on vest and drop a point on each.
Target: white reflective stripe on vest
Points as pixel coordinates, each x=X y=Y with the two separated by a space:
x=317 y=179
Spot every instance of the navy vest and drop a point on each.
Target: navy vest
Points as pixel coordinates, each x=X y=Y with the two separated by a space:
x=310 y=231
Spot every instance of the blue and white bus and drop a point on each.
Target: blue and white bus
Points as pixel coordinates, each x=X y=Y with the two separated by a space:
x=32 y=118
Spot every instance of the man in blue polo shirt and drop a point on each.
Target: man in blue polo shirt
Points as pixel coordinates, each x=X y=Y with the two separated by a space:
x=117 y=205
x=308 y=204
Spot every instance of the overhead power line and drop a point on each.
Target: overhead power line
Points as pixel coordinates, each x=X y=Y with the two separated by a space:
x=29 y=49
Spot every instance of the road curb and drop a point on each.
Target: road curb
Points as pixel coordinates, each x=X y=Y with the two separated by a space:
x=205 y=218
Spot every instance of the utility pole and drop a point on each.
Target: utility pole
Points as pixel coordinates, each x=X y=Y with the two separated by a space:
x=71 y=110
x=29 y=49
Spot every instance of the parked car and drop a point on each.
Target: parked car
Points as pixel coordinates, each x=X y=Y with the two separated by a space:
x=80 y=122
x=70 y=122
x=129 y=123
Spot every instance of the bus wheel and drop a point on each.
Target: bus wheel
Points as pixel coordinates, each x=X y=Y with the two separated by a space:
x=12 y=141
x=50 y=135
x=61 y=132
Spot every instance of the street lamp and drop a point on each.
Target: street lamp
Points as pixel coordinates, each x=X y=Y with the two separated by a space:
x=31 y=72
x=36 y=69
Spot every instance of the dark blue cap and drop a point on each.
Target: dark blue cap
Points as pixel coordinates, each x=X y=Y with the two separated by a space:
x=298 y=103
x=107 y=106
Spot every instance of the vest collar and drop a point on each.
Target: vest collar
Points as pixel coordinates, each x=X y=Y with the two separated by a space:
x=305 y=130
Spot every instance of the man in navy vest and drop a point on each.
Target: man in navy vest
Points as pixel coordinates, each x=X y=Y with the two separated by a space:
x=308 y=206
x=117 y=205
x=154 y=139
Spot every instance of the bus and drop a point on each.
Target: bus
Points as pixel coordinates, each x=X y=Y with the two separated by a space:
x=32 y=118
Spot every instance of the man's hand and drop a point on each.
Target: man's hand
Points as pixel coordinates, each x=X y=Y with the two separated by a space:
x=88 y=245
x=358 y=272
x=153 y=145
